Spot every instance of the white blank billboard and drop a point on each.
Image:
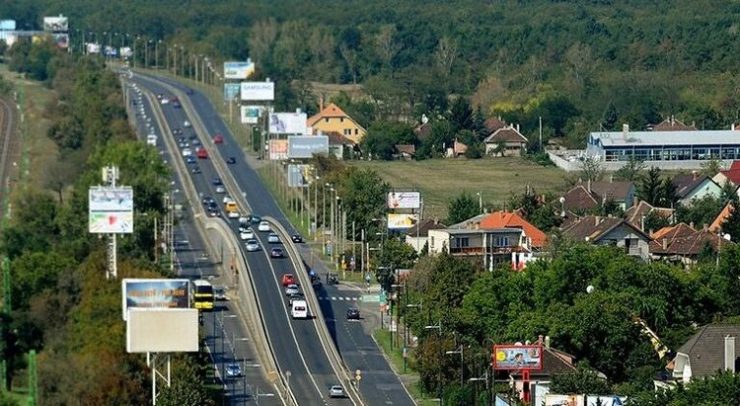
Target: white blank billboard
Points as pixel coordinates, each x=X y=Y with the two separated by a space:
x=162 y=330
x=111 y=210
x=288 y=123
x=404 y=200
x=258 y=91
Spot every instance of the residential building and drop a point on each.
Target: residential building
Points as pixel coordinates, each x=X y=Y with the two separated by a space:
x=588 y=196
x=716 y=225
x=664 y=145
x=682 y=244
x=508 y=138
x=339 y=146
x=418 y=235
x=488 y=247
x=332 y=119
x=494 y=123
x=458 y=149
x=671 y=124
x=405 y=152
x=694 y=186
x=712 y=348
x=636 y=214
x=536 y=238
x=732 y=174
x=609 y=231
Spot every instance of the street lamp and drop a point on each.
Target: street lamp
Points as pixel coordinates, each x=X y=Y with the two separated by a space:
x=438 y=327
x=480 y=202
x=406 y=330
x=462 y=363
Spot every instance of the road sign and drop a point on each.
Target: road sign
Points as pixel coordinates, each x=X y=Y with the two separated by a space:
x=382 y=298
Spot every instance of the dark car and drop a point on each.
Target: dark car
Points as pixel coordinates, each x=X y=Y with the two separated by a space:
x=276 y=253
x=188 y=91
x=255 y=219
x=217 y=181
x=231 y=160
x=233 y=370
x=208 y=200
x=196 y=170
x=296 y=238
x=353 y=313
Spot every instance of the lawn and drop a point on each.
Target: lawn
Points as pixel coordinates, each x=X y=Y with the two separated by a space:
x=440 y=180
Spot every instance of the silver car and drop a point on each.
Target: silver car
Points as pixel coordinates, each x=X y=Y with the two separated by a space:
x=336 y=391
x=252 y=246
x=291 y=290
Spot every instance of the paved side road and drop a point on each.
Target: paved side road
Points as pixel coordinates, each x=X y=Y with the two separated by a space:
x=10 y=147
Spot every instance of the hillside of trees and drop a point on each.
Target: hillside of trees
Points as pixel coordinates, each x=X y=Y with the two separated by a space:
x=580 y=65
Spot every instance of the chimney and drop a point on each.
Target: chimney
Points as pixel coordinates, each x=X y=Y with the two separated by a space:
x=588 y=186
x=321 y=102
x=540 y=339
x=625 y=130
x=517 y=128
x=596 y=220
x=730 y=353
x=547 y=341
x=665 y=244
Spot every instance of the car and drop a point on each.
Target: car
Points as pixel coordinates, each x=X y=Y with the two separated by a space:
x=220 y=189
x=218 y=139
x=252 y=245
x=255 y=219
x=276 y=253
x=353 y=313
x=273 y=238
x=183 y=144
x=219 y=293
x=288 y=279
x=165 y=100
x=247 y=234
x=196 y=141
x=196 y=170
x=176 y=131
x=187 y=152
x=231 y=160
x=190 y=159
x=207 y=200
x=214 y=213
x=296 y=296
x=336 y=391
x=202 y=153
x=217 y=181
x=296 y=238
x=263 y=226
x=291 y=289
x=176 y=104
x=186 y=124
x=233 y=370
x=233 y=215
x=226 y=199
x=188 y=91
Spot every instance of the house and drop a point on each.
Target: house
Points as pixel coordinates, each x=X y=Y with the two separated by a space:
x=332 y=119
x=636 y=214
x=339 y=146
x=671 y=124
x=508 y=137
x=694 y=186
x=536 y=238
x=713 y=348
x=489 y=247
x=405 y=152
x=609 y=231
x=457 y=149
x=494 y=123
x=716 y=225
x=423 y=130
x=591 y=195
x=732 y=174
x=682 y=244
x=418 y=235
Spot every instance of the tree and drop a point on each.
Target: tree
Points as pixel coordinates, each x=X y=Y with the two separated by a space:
x=700 y=212
x=632 y=170
x=363 y=194
x=651 y=187
x=461 y=115
x=383 y=136
x=580 y=381
x=711 y=167
x=462 y=208
x=721 y=389
x=591 y=169
x=445 y=55
x=731 y=225
x=654 y=221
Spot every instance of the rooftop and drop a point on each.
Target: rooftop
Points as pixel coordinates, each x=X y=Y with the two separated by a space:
x=648 y=138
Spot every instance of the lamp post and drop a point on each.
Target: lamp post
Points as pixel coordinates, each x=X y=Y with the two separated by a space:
x=323 y=215
x=406 y=328
x=480 y=202
x=438 y=327
x=460 y=351
x=490 y=397
x=725 y=236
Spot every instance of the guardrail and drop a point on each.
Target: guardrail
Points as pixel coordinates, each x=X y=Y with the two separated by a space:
x=202 y=223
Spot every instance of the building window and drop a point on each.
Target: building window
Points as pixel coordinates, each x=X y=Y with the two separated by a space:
x=326 y=119
x=347 y=131
x=341 y=119
x=357 y=131
x=462 y=242
x=431 y=243
x=501 y=241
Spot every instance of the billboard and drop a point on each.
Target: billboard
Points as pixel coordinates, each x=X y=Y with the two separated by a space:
x=251 y=114
x=400 y=221
x=92 y=48
x=563 y=400
x=288 y=123
x=258 y=91
x=404 y=200
x=56 y=24
x=126 y=52
x=231 y=91
x=61 y=40
x=111 y=210
x=155 y=293
x=238 y=70
x=306 y=146
x=298 y=175
x=162 y=330
x=278 y=150
x=517 y=357
x=7 y=25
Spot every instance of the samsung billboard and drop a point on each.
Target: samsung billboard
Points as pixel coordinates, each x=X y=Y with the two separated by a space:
x=258 y=91
x=306 y=146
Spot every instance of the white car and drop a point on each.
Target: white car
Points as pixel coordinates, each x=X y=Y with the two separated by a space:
x=187 y=152
x=233 y=215
x=263 y=226
x=336 y=391
x=165 y=100
x=220 y=189
x=273 y=238
x=227 y=199
x=247 y=234
x=186 y=124
x=252 y=246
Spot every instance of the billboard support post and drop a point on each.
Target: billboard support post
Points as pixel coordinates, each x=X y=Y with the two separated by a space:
x=167 y=379
x=110 y=175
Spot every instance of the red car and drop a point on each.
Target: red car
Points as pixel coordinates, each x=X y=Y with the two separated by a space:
x=288 y=279
x=218 y=139
x=202 y=153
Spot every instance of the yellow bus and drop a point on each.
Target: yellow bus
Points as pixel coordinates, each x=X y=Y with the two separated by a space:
x=202 y=295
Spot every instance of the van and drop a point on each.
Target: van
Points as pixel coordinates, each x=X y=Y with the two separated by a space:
x=230 y=207
x=299 y=309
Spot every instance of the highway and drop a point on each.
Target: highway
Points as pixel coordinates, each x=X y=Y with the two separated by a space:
x=227 y=339
x=379 y=385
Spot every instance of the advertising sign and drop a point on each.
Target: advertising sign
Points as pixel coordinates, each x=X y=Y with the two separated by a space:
x=258 y=91
x=298 y=175
x=404 y=200
x=517 y=357
x=7 y=25
x=61 y=40
x=288 y=123
x=251 y=114
x=111 y=210
x=56 y=24
x=162 y=330
x=126 y=52
x=278 y=150
x=400 y=221
x=306 y=146
x=238 y=70
x=92 y=48
x=231 y=91
x=155 y=293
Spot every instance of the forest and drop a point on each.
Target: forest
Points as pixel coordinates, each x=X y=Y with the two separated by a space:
x=580 y=65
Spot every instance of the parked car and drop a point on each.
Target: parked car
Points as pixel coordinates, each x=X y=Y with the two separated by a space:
x=252 y=246
x=336 y=391
x=263 y=226
x=273 y=238
x=276 y=253
x=353 y=313
x=233 y=370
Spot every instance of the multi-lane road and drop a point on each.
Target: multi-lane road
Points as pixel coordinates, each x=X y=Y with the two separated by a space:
x=296 y=344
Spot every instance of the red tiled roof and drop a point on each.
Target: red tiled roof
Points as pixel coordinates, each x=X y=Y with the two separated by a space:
x=733 y=174
x=494 y=123
x=671 y=124
x=677 y=231
x=720 y=219
x=502 y=219
x=636 y=213
x=331 y=110
x=409 y=149
x=690 y=245
x=506 y=134
x=579 y=199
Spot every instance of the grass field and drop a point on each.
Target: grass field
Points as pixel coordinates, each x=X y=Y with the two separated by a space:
x=441 y=180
